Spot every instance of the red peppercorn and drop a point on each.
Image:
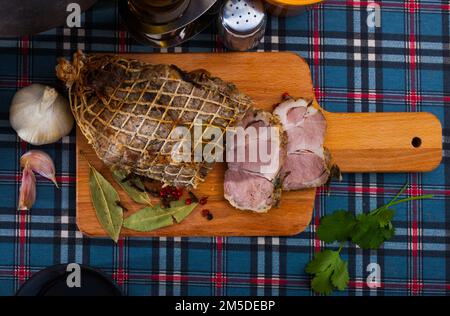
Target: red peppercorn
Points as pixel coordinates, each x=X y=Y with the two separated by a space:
x=205 y=212
x=203 y=200
x=285 y=95
x=188 y=201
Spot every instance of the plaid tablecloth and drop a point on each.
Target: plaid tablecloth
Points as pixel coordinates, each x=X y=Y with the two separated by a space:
x=404 y=65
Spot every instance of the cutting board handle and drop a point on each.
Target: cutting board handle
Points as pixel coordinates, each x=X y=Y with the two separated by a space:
x=384 y=142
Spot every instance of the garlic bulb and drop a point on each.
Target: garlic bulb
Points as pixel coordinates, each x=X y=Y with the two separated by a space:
x=40 y=115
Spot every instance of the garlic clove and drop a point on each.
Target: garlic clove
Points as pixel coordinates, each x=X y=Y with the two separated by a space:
x=27 y=194
x=41 y=163
x=40 y=115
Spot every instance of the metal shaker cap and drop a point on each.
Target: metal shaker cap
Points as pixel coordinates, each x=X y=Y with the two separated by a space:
x=243 y=16
x=242 y=23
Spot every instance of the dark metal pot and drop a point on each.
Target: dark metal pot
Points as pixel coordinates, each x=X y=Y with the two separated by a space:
x=167 y=25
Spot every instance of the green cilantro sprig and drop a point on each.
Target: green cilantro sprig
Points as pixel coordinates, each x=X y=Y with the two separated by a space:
x=330 y=271
x=367 y=230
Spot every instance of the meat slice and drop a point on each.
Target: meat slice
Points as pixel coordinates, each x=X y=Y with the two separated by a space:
x=249 y=191
x=258 y=138
x=303 y=123
x=250 y=184
x=305 y=169
x=307 y=164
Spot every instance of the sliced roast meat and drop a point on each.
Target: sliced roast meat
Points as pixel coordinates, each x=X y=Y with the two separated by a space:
x=304 y=124
x=305 y=170
x=249 y=191
x=307 y=164
x=258 y=150
x=254 y=162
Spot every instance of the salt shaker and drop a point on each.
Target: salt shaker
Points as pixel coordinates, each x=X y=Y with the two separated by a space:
x=242 y=24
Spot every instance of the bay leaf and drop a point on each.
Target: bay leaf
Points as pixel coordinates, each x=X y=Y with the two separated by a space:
x=105 y=200
x=151 y=218
x=183 y=209
x=136 y=192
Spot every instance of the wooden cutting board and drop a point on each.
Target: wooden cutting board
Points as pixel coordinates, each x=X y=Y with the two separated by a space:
x=359 y=142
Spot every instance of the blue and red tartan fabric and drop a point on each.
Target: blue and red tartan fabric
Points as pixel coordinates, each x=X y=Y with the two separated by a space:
x=404 y=65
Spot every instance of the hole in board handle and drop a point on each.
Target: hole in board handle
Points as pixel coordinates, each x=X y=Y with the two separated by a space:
x=416 y=142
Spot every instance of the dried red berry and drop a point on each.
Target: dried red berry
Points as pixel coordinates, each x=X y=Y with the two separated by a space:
x=188 y=201
x=205 y=212
x=203 y=200
x=285 y=95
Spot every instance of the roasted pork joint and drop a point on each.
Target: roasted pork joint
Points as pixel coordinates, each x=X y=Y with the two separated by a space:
x=128 y=109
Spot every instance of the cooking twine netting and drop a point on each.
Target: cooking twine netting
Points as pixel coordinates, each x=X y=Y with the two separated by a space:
x=128 y=111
